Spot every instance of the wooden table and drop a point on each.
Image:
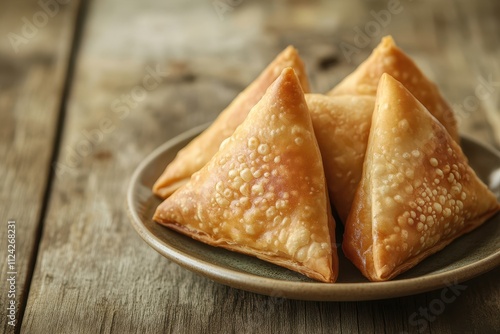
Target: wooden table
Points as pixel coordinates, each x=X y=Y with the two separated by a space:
x=76 y=118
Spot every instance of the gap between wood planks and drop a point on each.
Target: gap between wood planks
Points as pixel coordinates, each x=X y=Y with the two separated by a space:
x=68 y=81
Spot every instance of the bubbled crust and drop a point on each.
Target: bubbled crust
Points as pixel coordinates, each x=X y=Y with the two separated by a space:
x=418 y=192
x=199 y=151
x=264 y=192
x=388 y=58
x=342 y=125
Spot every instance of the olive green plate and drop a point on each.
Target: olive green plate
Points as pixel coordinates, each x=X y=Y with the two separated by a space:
x=467 y=257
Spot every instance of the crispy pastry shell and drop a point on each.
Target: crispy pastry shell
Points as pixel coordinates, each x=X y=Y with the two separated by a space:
x=388 y=58
x=342 y=125
x=264 y=192
x=417 y=193
x=201 y=149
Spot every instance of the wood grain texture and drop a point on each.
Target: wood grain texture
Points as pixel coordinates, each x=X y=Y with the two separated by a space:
x=95 y=275
x=34 y=56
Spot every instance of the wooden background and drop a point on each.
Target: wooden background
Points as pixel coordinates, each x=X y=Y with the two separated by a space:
x=76 y=119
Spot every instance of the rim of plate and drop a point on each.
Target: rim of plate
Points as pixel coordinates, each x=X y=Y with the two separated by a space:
x=316 y=291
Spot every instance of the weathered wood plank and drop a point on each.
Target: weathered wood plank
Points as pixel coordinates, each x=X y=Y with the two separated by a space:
x=34 y=52
x=467 y=70
x=94 y=274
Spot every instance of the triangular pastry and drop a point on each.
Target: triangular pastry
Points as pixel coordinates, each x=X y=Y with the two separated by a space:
x=264 y=192
x=388 y=58
x=342 y=125
x=417 y=193
x=197 y=153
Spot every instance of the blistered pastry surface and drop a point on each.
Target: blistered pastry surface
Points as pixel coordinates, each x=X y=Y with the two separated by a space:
x=342 y=125
x=388 y=58
x=422 y=193
x=265 y=189
x=197 y=153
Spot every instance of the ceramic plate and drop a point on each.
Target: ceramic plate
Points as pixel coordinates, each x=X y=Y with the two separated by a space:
x=467 y=257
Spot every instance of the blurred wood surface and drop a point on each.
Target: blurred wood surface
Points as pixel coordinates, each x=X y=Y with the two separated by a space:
x=33 y=71
x=143 y=72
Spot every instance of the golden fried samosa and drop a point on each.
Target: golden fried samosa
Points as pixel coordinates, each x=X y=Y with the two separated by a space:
x=417 y=193
x=264 y=192
x=199 y=151
x=388 y=58
x=342 y=125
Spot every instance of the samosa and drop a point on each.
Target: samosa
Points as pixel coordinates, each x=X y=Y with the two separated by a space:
x=264 y=192
x=201 y=149
x=388 y=58
x=417 y=193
